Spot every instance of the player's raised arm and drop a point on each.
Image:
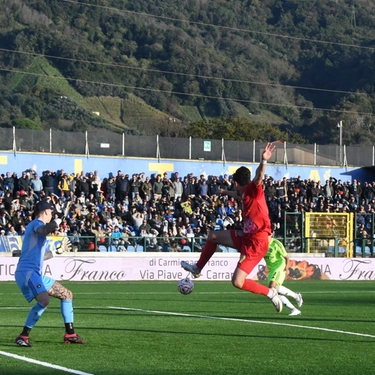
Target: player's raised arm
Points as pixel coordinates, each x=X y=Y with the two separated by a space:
x=46 y=229
x=230 y=193
x=269 y=150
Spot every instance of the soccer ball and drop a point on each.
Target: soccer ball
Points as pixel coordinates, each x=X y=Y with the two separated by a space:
x=185 y=286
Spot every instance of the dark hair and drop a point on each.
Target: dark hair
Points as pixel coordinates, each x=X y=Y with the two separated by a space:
x=242 y=176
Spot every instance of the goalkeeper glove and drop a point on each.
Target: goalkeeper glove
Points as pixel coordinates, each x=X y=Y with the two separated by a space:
x=64 y=246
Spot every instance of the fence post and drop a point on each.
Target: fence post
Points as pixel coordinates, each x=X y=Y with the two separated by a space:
x=222 y=151
x=285 y=155
x=157 y=148
x=14 y=141
x=314 y=162
x=86 y=145
x=336 y=248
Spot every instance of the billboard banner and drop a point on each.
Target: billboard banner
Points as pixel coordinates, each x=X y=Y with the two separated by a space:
x=164 y=268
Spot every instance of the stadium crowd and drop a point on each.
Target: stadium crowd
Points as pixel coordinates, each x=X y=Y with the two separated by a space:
x=169 y=211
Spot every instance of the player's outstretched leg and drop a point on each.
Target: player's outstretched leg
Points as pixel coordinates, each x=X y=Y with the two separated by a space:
x=275 y=299
x=299 y=299
x=289 y=305
x=282 y=290
x=192 y=268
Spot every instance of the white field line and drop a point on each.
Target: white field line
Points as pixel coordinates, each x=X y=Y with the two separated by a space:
x=243 y=320
x=45 y=364
x=196 y=292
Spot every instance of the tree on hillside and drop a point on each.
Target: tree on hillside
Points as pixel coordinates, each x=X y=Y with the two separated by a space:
x=25 y=123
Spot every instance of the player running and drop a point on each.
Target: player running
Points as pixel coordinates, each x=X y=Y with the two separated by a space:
x=277 y=263
x=252 y=241
x=36 y=286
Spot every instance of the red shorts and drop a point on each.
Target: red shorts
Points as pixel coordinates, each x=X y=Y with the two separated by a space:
x=252 y=250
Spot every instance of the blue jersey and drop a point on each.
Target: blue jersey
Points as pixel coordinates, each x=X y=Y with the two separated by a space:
x=33 y=249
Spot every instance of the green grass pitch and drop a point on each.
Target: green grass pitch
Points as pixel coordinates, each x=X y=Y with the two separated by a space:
x=149 y=328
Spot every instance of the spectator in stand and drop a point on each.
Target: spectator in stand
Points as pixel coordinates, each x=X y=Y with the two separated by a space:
x=352 y=204
x=48 y=180
x=137 y=221
x=15 y=179
x=103 y=187
x=17 y=221
x=213 y=186
x=2 y=185
x=2 y=206
x=104 y=215
x=96 y=184
x=190 y=237
x=64 y=186
x=167 y=183
x=156 y=223
x=203 y=189
x=157 y=187
x=9 y=183
x=111 y=187
x=188 y=189
x=224 y=183
x=122 y=187
x=24 y=182
x=92 y=199
x=195 y=181
x=368 y=192
x=135 y=186
x=84 y=186
x=328 y=189
x=36 y=184
x=8 y=199
x=178 y=188
x=356 y=190
x=116 y=238
x=187 y=207
x=11 y=231
x=302 y=191
x=144 y=228
x=280 y=192
x=313 y=192
x=223 y=211
x=146 y=189
x=269 y=189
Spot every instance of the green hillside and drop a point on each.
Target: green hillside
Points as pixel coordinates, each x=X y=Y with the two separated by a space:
x=297 y=66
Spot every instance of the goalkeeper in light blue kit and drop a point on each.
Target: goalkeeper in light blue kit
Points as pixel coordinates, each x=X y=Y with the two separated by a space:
x=277 y=263
x=31 y=281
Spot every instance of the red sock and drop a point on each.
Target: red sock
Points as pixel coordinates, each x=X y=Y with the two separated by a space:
x=206 y=254
x=254 y=287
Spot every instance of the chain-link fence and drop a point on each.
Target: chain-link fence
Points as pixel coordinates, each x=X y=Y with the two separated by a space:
x=104 y=142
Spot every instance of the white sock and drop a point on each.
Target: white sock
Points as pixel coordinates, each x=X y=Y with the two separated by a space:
x=285 y=291
x=287 y=303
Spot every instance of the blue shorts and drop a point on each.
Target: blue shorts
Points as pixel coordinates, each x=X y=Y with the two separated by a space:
x=31 y=283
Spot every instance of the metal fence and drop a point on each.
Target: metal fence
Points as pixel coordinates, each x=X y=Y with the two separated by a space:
x=348 y=238
x=106 y=143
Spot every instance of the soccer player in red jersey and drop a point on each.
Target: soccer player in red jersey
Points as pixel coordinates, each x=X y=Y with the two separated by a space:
x=252 y=241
